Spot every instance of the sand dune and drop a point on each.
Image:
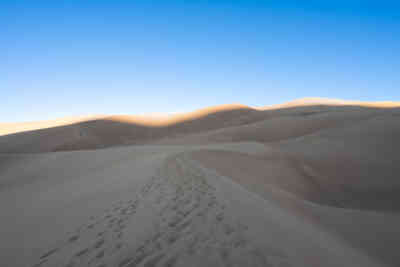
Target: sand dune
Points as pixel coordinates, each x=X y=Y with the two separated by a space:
x=284 y=181
x=169 y=119
x=17 y=127
x=108 y=131
x=311 y=101
x=150 y=120
x=105 y=131
x=309 y=183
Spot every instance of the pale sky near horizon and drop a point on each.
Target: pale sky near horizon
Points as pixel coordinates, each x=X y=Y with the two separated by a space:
x=66 y=58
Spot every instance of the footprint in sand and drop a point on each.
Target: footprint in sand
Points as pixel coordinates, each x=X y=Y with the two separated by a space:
x=73 y=238
x=50 y=252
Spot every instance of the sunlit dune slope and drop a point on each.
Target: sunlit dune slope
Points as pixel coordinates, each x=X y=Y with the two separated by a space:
x=16 y=127
x=163 y=121
x=310 y=101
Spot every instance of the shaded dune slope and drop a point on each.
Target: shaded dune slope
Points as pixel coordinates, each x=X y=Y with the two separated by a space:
x=283 y=180
x=344 y=160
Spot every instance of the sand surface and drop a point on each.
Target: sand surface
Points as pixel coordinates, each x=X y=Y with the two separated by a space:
x=299 y=185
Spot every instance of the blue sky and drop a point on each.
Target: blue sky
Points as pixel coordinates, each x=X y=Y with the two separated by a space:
x=64 y=58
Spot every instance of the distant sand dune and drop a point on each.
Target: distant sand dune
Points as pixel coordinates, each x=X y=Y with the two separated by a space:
x=16 y=127
x=309 y=101
x=169 y=119
x=103 y=131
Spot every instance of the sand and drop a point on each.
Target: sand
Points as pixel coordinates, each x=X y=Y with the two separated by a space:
x=305 y=185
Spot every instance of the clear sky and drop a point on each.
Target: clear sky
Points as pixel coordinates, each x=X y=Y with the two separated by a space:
x=64 y=58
